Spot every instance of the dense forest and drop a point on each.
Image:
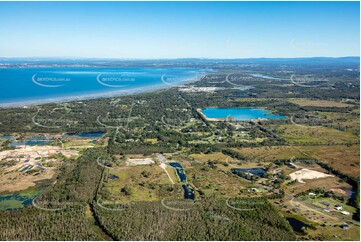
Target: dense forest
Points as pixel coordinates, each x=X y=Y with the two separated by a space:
x=209 y=220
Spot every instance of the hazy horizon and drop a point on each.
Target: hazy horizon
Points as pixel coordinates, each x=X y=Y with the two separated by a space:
x=176 y=58
x=179 y=30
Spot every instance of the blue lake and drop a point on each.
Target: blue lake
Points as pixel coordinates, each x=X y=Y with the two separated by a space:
x=24 y=86
x=269 y=77
x=31 y=143
x=89 y=135
x=240 y=114
x=8 y=137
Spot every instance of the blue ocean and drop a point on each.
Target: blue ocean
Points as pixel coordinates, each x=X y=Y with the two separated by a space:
x=25 y=86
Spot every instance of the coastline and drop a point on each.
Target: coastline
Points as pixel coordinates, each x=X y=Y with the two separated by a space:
x=110 y=94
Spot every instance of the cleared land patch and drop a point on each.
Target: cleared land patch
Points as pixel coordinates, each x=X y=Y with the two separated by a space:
x=136 y=183
x=317 y=135
x=21 y=168
x=307 y=174
x=318 y=103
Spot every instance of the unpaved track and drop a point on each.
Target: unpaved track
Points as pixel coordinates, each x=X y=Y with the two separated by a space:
x=164 y=167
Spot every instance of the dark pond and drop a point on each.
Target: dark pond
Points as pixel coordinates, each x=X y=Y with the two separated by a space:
x=188 y=192
x=85 y=135
x=113 y=177
x=254 y=171
x=297 y=225
x=180 y=171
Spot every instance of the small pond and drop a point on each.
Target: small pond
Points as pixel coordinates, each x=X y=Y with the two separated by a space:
x=188 y=190
x=255 y=171
x=180 y=171
x=297 y=225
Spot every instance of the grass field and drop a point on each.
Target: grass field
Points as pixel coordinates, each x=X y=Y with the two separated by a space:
x=143 y=183
x=269 y=153
x=341 y=157
x=216 y=156
x=344 y=158
x=294 y=134
x=214 y=182
x=317 y=103
x=345 y=121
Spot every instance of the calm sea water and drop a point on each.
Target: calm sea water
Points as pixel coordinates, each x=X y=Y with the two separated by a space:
x=240 y=114
x=31 y=85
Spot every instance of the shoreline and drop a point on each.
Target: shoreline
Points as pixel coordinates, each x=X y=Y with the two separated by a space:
x=86 y=97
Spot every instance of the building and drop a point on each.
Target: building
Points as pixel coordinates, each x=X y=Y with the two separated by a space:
x=338 y=207
x=345 y=213
x=345 y=226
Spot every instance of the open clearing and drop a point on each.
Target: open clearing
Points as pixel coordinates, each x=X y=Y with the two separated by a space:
x=318 y=103
x=294 y=134
x=214 y=182
x=344 y=158
x=341 y=157
x=306 y=174
x=136 y=183
x=216 y=156
x=23 y=167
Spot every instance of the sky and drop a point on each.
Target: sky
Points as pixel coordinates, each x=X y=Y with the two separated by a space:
x=148 y=30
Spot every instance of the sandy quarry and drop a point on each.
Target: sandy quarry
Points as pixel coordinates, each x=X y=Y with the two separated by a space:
x=306 y=174
x=137 y=162
x=30 y=166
